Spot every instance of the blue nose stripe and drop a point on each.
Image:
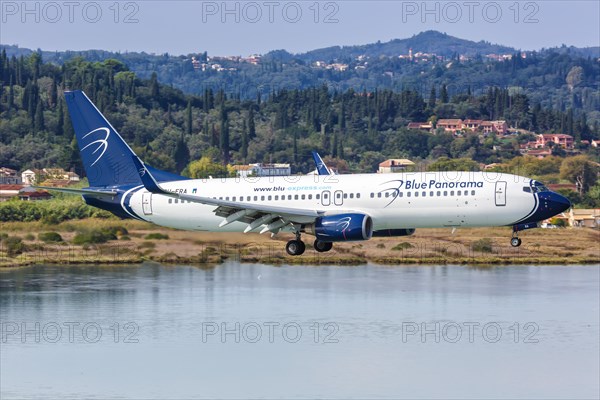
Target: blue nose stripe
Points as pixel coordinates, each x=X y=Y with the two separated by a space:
x=549 y=205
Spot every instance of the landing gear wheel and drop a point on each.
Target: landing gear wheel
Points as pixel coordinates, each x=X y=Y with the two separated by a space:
x=515 y=242
x=322 y=247
x=295 y=247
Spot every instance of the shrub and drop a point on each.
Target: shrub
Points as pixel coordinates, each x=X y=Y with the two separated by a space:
x=125 y=237
x=380 y=246
x=402 y=246
x=3 y=235
x=156 y=236
x=29 y=236
x=13 y=245
x=147 y=245
x=94 y=236
x=483 y=245
x=50 y=237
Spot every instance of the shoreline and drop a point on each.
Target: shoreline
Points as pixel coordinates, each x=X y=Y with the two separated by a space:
x=137 y=242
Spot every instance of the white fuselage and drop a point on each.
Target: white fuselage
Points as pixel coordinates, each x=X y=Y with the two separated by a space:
x=393 y=201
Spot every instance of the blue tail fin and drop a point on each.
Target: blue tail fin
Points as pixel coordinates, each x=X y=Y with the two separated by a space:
x=106 y=157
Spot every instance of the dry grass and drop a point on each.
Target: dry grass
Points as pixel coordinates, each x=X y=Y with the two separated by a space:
x=427 y=246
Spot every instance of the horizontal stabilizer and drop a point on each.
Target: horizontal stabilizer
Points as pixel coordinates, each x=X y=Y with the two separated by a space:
x=87 y=192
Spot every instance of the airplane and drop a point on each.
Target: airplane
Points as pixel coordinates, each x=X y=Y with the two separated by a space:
x=332 y=208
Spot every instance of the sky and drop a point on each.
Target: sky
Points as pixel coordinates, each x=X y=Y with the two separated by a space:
x=256 y=27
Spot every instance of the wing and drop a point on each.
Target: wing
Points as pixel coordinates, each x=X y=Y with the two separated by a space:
x=274 y=217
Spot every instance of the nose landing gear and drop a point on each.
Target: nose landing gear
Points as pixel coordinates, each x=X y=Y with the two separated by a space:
x=515 y=241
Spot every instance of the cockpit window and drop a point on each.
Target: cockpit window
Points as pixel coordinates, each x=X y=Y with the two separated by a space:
x=527 y=189
x=538 y=187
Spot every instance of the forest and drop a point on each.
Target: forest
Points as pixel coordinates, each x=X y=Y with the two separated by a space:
x=354 y=130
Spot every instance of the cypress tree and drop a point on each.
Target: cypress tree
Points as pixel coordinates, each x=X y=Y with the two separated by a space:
x=431 y=102
x=38 y=124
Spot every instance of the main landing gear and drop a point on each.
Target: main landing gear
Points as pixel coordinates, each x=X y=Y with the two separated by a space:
x=297 y=247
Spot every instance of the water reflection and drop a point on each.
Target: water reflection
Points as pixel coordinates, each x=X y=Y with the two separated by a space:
x=247 y=330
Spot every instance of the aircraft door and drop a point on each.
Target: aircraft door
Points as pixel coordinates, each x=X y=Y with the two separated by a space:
x=326 y=198
x=147 y=203
x=338 y=198
x=500 y=193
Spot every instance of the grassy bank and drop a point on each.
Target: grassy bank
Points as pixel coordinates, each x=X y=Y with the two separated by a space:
x=124 y=242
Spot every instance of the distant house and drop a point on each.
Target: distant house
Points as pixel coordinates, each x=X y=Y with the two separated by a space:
x=585 y=218
x=9 y=191
x=394 y=165
x=426 y=126
x=30 y=194
x=30 y=176
x=260 y=169
x=9 y=176
x=450 y=125
x=559 y=139
x=500 y=127
x=471 y=124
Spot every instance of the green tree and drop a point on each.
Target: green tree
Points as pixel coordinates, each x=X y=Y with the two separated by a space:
x=205 y=168
x=581 y=171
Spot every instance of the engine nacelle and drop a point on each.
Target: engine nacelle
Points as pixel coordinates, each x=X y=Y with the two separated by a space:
x=341 y=228
x=393 y=232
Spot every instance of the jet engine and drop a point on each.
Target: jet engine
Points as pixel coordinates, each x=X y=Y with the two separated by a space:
x=341 y=228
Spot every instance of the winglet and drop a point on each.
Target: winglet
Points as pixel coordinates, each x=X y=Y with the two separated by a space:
x=321 y=167
x=148 y=180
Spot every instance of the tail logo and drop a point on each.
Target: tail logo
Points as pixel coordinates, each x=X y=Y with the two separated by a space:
x=102 y=143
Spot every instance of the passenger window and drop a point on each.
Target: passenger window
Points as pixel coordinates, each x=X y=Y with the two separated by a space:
x=439 y=193
x=220 y=198
x=269 y=198
x=303 y=197
x=262 y=198
x=296 y=197
x=176 y=201
x=472 y=193
x=345 y=195
x=170 y=201
x=416 y=194
x=233 y=198
x=310 y=196
x=431 y=193
x=227 y=198
x=318 y=196
x=400 y=194
x=337 y=195
x=276 y=197
x=424 y=194
x=255 y=198
x=351 y=195
x=387 y=194
x=326 y=196
x=445 y=193
x=379 y=195
x=372 y=195
x=452 y=193
x=407 y=194
x=358 y=195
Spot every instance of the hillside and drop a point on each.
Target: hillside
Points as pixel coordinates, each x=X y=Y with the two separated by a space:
x=437 y=59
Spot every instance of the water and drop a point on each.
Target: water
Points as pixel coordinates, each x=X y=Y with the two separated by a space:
x=257 y=331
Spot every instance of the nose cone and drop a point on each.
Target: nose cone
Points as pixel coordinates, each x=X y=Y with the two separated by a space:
x=552 y=203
